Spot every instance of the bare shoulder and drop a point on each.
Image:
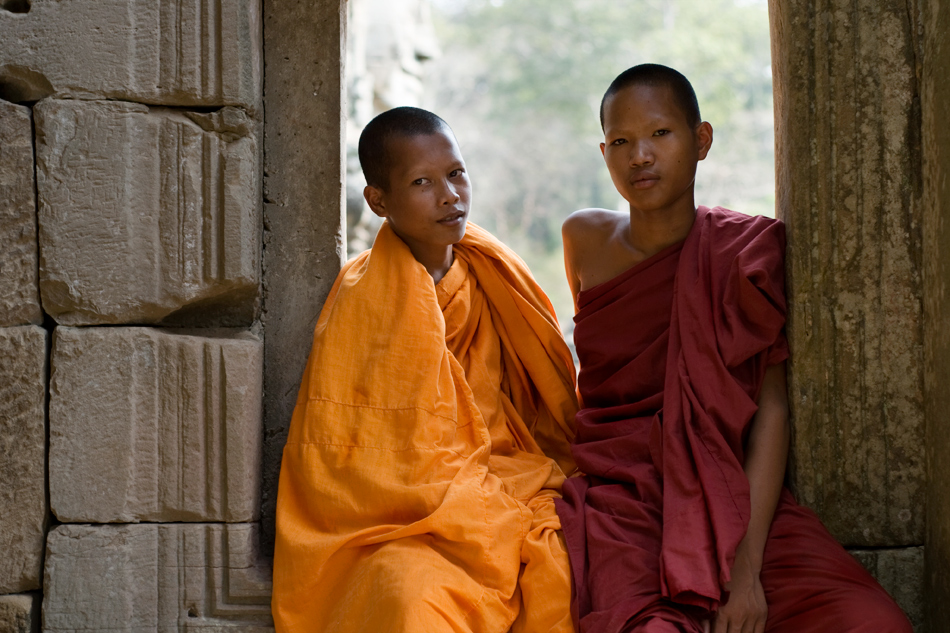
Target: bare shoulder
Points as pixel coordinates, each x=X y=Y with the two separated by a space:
x=592 y=225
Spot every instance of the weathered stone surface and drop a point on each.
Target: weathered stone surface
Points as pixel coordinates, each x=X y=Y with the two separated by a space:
x=304 y=243
x=19 y=294
x=935 y=105
x=849 y=189
x=174 y=52
x=147 y=215
x=22 y=457
x=156 y=578
x=20 y=613
x=151 y=426
x=901 y=573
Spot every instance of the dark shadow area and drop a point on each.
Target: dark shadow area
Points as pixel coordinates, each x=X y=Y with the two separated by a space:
x=22 y=85
x=15 y=6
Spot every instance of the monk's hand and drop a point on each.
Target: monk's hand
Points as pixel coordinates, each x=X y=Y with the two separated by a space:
x=746 y=609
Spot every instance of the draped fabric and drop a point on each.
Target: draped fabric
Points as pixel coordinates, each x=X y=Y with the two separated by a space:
x=431 y=435
x=673 y=353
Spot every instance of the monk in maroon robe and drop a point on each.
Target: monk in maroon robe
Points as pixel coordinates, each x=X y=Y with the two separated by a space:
x=681 y=522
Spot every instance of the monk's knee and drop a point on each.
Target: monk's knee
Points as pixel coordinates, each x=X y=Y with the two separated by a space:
x=888 y=618
x=867 y=612
x=874 y=611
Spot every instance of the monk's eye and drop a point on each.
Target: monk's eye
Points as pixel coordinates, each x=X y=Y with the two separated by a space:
x=456 y=173
x=661 y=133
x=419 y=181
x=618 y=141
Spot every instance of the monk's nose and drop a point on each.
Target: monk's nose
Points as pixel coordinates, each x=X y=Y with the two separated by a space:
x=640 y=155
x=449 y=194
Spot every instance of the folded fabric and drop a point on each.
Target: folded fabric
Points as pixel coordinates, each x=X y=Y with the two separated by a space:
x=431 y=435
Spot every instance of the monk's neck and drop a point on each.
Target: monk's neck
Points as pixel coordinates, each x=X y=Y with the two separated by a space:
x=653 y=231
x=436 y=261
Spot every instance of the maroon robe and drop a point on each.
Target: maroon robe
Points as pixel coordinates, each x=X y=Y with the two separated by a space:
x=673 y=353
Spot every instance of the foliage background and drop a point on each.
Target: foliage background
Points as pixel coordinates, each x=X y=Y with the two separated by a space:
x=520 y=82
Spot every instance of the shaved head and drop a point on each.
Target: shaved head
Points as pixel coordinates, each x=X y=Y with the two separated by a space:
x=375 y=158
x=656 y=75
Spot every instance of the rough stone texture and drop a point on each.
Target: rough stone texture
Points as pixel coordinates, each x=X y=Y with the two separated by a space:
x=20 y=613
x=849 y=188
x=935 y=101
x=173 y=52
x=901 y=573
x=166 y=578
x=151 y=426
x=19 y=295
x=147 y=215
x=22 y=457
x=303 y=212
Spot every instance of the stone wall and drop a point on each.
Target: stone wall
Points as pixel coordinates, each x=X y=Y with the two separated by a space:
x=131 y=196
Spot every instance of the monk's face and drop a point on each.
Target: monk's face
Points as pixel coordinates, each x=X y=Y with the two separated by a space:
x=427 y=201
x=651 y=150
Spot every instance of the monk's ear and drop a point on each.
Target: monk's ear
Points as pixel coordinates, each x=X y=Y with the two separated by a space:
x=603 y=148
x=376 y=199
x=704 y=138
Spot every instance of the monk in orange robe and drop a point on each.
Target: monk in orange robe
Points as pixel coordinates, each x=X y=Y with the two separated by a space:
x=433 y=425
x=681 y=522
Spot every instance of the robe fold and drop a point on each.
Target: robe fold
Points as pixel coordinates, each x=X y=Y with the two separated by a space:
x=673 y=354
x=430 y=438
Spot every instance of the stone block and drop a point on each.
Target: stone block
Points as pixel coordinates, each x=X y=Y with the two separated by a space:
x=19 y=293
x=23 y=508
x=901 y=572
x=146 y=425
x=20 y=613
x=160 y=578
x=148 y=215
x=173 y=52
x=849 y=189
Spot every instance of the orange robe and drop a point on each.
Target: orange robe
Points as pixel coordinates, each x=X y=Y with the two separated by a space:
x=415 y=495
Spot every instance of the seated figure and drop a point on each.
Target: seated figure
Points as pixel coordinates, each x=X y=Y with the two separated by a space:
x=680 y=522
x=433 y=425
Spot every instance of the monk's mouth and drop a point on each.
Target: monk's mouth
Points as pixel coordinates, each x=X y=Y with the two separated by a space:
x=453 y=219
x=645 y=183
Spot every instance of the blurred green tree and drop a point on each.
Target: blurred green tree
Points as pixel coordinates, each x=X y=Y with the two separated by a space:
x=520 y=81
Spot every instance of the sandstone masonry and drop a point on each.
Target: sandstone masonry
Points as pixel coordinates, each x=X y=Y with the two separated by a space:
x=146 y=425
x=19 y=299
x=147 y=215
x=173 y=52
x=20 y=613
x=22 y=457
x=162 y=578
x=901 y=572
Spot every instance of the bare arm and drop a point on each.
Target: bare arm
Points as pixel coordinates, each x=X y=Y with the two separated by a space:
x=766 y=456
x=570 y=263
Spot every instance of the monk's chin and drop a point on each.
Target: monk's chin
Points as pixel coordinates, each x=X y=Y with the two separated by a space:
x=459 y=230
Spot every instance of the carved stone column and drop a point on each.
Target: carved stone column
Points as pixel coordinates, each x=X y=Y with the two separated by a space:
x=849 y=188
x=935 y=101
x=304 y=229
